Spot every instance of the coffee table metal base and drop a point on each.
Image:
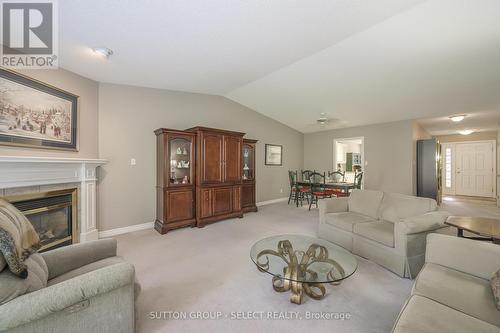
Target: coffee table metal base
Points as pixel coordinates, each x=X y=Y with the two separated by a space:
x=297 y=277
x=314 y=290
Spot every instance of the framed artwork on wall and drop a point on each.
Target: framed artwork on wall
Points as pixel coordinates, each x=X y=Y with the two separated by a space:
x=36 y=115
x=274 y=155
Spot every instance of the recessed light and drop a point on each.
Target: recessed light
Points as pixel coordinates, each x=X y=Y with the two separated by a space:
x=466 y=132
x=457 y=118
x=103 y=52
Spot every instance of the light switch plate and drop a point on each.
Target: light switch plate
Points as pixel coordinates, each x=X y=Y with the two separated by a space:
x=133 y=161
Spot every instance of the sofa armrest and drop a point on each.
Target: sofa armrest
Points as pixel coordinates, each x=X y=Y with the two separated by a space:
x=473 y=257
x=422 y=223
x=68 y=258
x=62 y=296
x=333 y=205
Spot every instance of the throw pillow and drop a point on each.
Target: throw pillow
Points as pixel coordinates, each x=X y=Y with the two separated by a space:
x=495 y=286
x=12 y=286
x=18 y=238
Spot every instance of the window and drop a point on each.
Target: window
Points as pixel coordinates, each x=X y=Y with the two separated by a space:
x=447 y=168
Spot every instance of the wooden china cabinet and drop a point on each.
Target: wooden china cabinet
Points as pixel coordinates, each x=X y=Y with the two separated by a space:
x=248 y=188
x=218 y=174
x=175 y=186
x=203 y=175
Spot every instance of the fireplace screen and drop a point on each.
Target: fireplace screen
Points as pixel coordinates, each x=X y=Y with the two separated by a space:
x=52 y=215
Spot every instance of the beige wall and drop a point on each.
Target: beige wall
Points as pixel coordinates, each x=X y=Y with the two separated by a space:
x=87 y=90
x=471 y=137
x=388 y=154
x=127 y=118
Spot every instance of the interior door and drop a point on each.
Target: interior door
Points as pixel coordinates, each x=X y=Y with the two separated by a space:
x=474 y=169
x=232 y=158
x=212 y=158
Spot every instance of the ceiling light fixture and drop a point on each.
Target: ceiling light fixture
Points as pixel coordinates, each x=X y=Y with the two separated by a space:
x=322 y=120
x=466 y=132
x=103 y=52
x=457 y=118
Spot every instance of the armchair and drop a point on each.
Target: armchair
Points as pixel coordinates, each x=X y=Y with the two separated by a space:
x=89 y=289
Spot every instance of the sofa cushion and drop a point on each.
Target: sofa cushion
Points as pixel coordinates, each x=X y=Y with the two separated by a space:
x=460 y=291
x=365 y=202
x=423 y=315
x=86 y=269
x=12 y=286
x=395 y=207
x=346 y=220
x=380 y=231
x=495 y=287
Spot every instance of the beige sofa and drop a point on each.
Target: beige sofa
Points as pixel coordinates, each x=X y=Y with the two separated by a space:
x=452 y=293
x=387 y=228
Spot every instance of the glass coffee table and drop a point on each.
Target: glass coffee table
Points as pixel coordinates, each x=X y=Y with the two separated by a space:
x=302 y=264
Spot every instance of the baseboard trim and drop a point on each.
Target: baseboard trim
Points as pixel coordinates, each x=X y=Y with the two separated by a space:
x=125 y=230
x=269 y=202
x=150 y=225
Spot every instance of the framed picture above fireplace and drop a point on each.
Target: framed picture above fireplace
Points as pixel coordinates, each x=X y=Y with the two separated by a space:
x=36 y=115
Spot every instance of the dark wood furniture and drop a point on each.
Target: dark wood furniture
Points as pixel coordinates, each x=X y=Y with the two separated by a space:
x=218 y=174
x=248 y=202
x=175 y=187
x=488 y=229
x=200 y=177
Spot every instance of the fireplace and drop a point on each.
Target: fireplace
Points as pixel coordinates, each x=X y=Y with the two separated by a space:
x=53 y=214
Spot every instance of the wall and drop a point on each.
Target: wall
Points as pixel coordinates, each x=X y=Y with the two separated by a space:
x=388 y=154
x=87 y=90
x=492 y=135
x=127 y=118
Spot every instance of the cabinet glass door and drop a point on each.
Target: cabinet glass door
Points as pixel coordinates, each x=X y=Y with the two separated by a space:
x=180 y=161
x=248 y=162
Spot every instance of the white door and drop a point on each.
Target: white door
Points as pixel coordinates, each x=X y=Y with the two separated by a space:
x=474 y=169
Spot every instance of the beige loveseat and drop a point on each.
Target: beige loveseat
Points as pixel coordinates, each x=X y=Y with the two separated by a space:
x=387 y=228
x=452 y=293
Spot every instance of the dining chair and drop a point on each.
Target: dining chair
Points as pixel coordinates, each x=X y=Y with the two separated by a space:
x=318 y=188
x=305 y=174
x=338 y=176
x=357 y=180
x=292 y=177
x=297 y=193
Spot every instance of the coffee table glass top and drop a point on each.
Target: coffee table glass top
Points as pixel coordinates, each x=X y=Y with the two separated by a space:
x=303 y=259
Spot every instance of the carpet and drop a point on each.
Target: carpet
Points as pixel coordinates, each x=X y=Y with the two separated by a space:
x=197 y=280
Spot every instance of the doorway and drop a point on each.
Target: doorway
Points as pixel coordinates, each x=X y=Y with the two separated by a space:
x=469 y=168
x=348 y=157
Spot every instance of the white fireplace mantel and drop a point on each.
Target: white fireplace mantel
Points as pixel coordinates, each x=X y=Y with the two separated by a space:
x=19 y=171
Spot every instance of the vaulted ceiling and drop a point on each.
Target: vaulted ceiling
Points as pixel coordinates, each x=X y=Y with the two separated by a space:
x=356 y=61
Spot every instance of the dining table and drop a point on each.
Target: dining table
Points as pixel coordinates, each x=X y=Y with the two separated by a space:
x=332 y=184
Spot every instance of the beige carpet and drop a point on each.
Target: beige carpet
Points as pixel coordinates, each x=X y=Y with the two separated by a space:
x=209 y=270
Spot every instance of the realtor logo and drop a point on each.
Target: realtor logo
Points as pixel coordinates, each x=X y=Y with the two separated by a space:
x=29 y=34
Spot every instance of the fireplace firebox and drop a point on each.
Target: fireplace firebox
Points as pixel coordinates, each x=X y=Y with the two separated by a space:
x=53 y=215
